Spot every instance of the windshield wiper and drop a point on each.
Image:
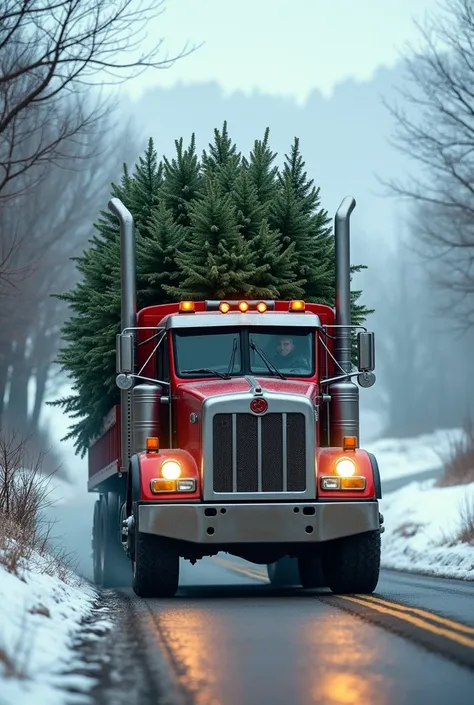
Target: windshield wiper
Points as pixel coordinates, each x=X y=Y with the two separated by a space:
x=208 y=370
x=232 y=358
x=270 y=366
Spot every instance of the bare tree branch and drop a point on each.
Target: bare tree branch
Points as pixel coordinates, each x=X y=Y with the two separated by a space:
x=56 y=49
x=55 y=225
x=435 y=128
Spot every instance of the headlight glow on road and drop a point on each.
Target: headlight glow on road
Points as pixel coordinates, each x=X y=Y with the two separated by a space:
x=345 y=467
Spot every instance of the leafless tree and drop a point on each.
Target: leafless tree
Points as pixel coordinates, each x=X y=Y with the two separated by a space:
x=51 y=50
x=8 y=274
x=404 y=363
x=53 y=222
x=435 y=127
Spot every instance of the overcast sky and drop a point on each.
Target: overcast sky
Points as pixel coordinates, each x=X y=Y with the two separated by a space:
x=286 y=47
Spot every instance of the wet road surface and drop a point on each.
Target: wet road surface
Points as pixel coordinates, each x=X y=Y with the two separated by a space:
x=229 y=638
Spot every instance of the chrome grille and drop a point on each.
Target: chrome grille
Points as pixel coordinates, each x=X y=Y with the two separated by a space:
x=259 y=453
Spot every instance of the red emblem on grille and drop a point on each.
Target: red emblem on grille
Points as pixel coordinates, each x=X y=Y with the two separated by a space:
x=258 y=405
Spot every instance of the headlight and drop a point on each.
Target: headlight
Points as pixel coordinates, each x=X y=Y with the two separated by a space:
x=345 y=467
x=171 y=470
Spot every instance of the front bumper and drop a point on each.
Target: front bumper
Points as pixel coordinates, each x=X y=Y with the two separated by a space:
x=259 y=523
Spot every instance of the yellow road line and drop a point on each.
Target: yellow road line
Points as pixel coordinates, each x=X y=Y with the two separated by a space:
x=248 y=572
x=393 y=609
x=422 y=613
x=416 y=621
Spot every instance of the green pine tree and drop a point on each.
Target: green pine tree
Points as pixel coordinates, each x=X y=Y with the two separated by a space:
x=320 y=286
x=156 y=257
x=288 y=217
x=296 y=212
x=217 y=262
x=359 y=312
x=250 y=212
x=145 y=187
x=281 y=264
x=90 y=334
x=229 y=228
x=304 y=188
x=221 y=163
x=262 y=173
x=182 y=181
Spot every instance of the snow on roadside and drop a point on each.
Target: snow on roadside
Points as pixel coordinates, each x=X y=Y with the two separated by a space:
x=420 y=523
x=399 y=457
x=40 y=618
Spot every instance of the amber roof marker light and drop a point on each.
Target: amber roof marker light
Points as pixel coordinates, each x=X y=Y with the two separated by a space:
x=297 y=306
x=224 y=307
x=186 y=306
x=261 y=307
x=243 y=306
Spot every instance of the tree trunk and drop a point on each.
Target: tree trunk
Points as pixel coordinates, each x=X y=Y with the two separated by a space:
x=5 y=356
x=17 y=412
x=41 y=379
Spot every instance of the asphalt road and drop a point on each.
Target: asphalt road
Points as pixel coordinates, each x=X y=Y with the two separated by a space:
x=228 y=638
x=398 y=482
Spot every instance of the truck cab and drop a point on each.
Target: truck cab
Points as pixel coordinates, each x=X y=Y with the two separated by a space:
x=237 y=432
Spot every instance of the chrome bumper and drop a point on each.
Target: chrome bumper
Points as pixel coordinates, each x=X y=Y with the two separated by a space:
x=259 y=523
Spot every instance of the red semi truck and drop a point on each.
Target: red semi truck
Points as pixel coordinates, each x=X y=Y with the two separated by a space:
x=238 y=432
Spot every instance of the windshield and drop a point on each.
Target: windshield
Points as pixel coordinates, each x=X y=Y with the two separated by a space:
x=217 y=351
x=265 y=352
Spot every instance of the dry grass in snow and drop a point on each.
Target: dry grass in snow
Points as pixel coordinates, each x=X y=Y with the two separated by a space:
x=42 y=601
x=458 y=458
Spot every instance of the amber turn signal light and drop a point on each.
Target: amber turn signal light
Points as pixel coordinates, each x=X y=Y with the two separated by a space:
x=334 y=483
x=160 y=485
x=352 y=483
x=349 y=443
x=152 y=445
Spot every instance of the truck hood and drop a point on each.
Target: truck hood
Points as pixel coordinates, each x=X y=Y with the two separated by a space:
x=204 y=389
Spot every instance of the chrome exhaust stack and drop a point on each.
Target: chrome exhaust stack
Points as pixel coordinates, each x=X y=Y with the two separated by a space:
x=344 y=405
x=128 y=319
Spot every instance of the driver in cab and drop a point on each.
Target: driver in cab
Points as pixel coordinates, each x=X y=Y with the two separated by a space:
x=288 y=359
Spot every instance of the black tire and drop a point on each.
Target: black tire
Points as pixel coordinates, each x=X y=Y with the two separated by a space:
x=284 y=573
x=155 y=566
x=311 y=572
x=114 y=568
x=352 y=564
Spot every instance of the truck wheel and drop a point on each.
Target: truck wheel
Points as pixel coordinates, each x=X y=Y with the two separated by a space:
x=114 y=568
x=352 y=564
x=284 y=573
x=311 y=572
x=155 y=566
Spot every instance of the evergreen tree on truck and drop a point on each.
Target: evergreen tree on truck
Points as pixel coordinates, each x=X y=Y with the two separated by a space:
x=223 y=226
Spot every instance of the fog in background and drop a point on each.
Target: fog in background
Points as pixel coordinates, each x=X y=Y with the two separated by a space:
x=319 y=71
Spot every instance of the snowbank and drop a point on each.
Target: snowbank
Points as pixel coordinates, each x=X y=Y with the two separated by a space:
x=421 y=523
x=399 y=457
x=40 y=618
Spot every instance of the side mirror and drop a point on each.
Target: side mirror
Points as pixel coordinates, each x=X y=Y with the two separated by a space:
x=124 y=352
x=366 y=352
